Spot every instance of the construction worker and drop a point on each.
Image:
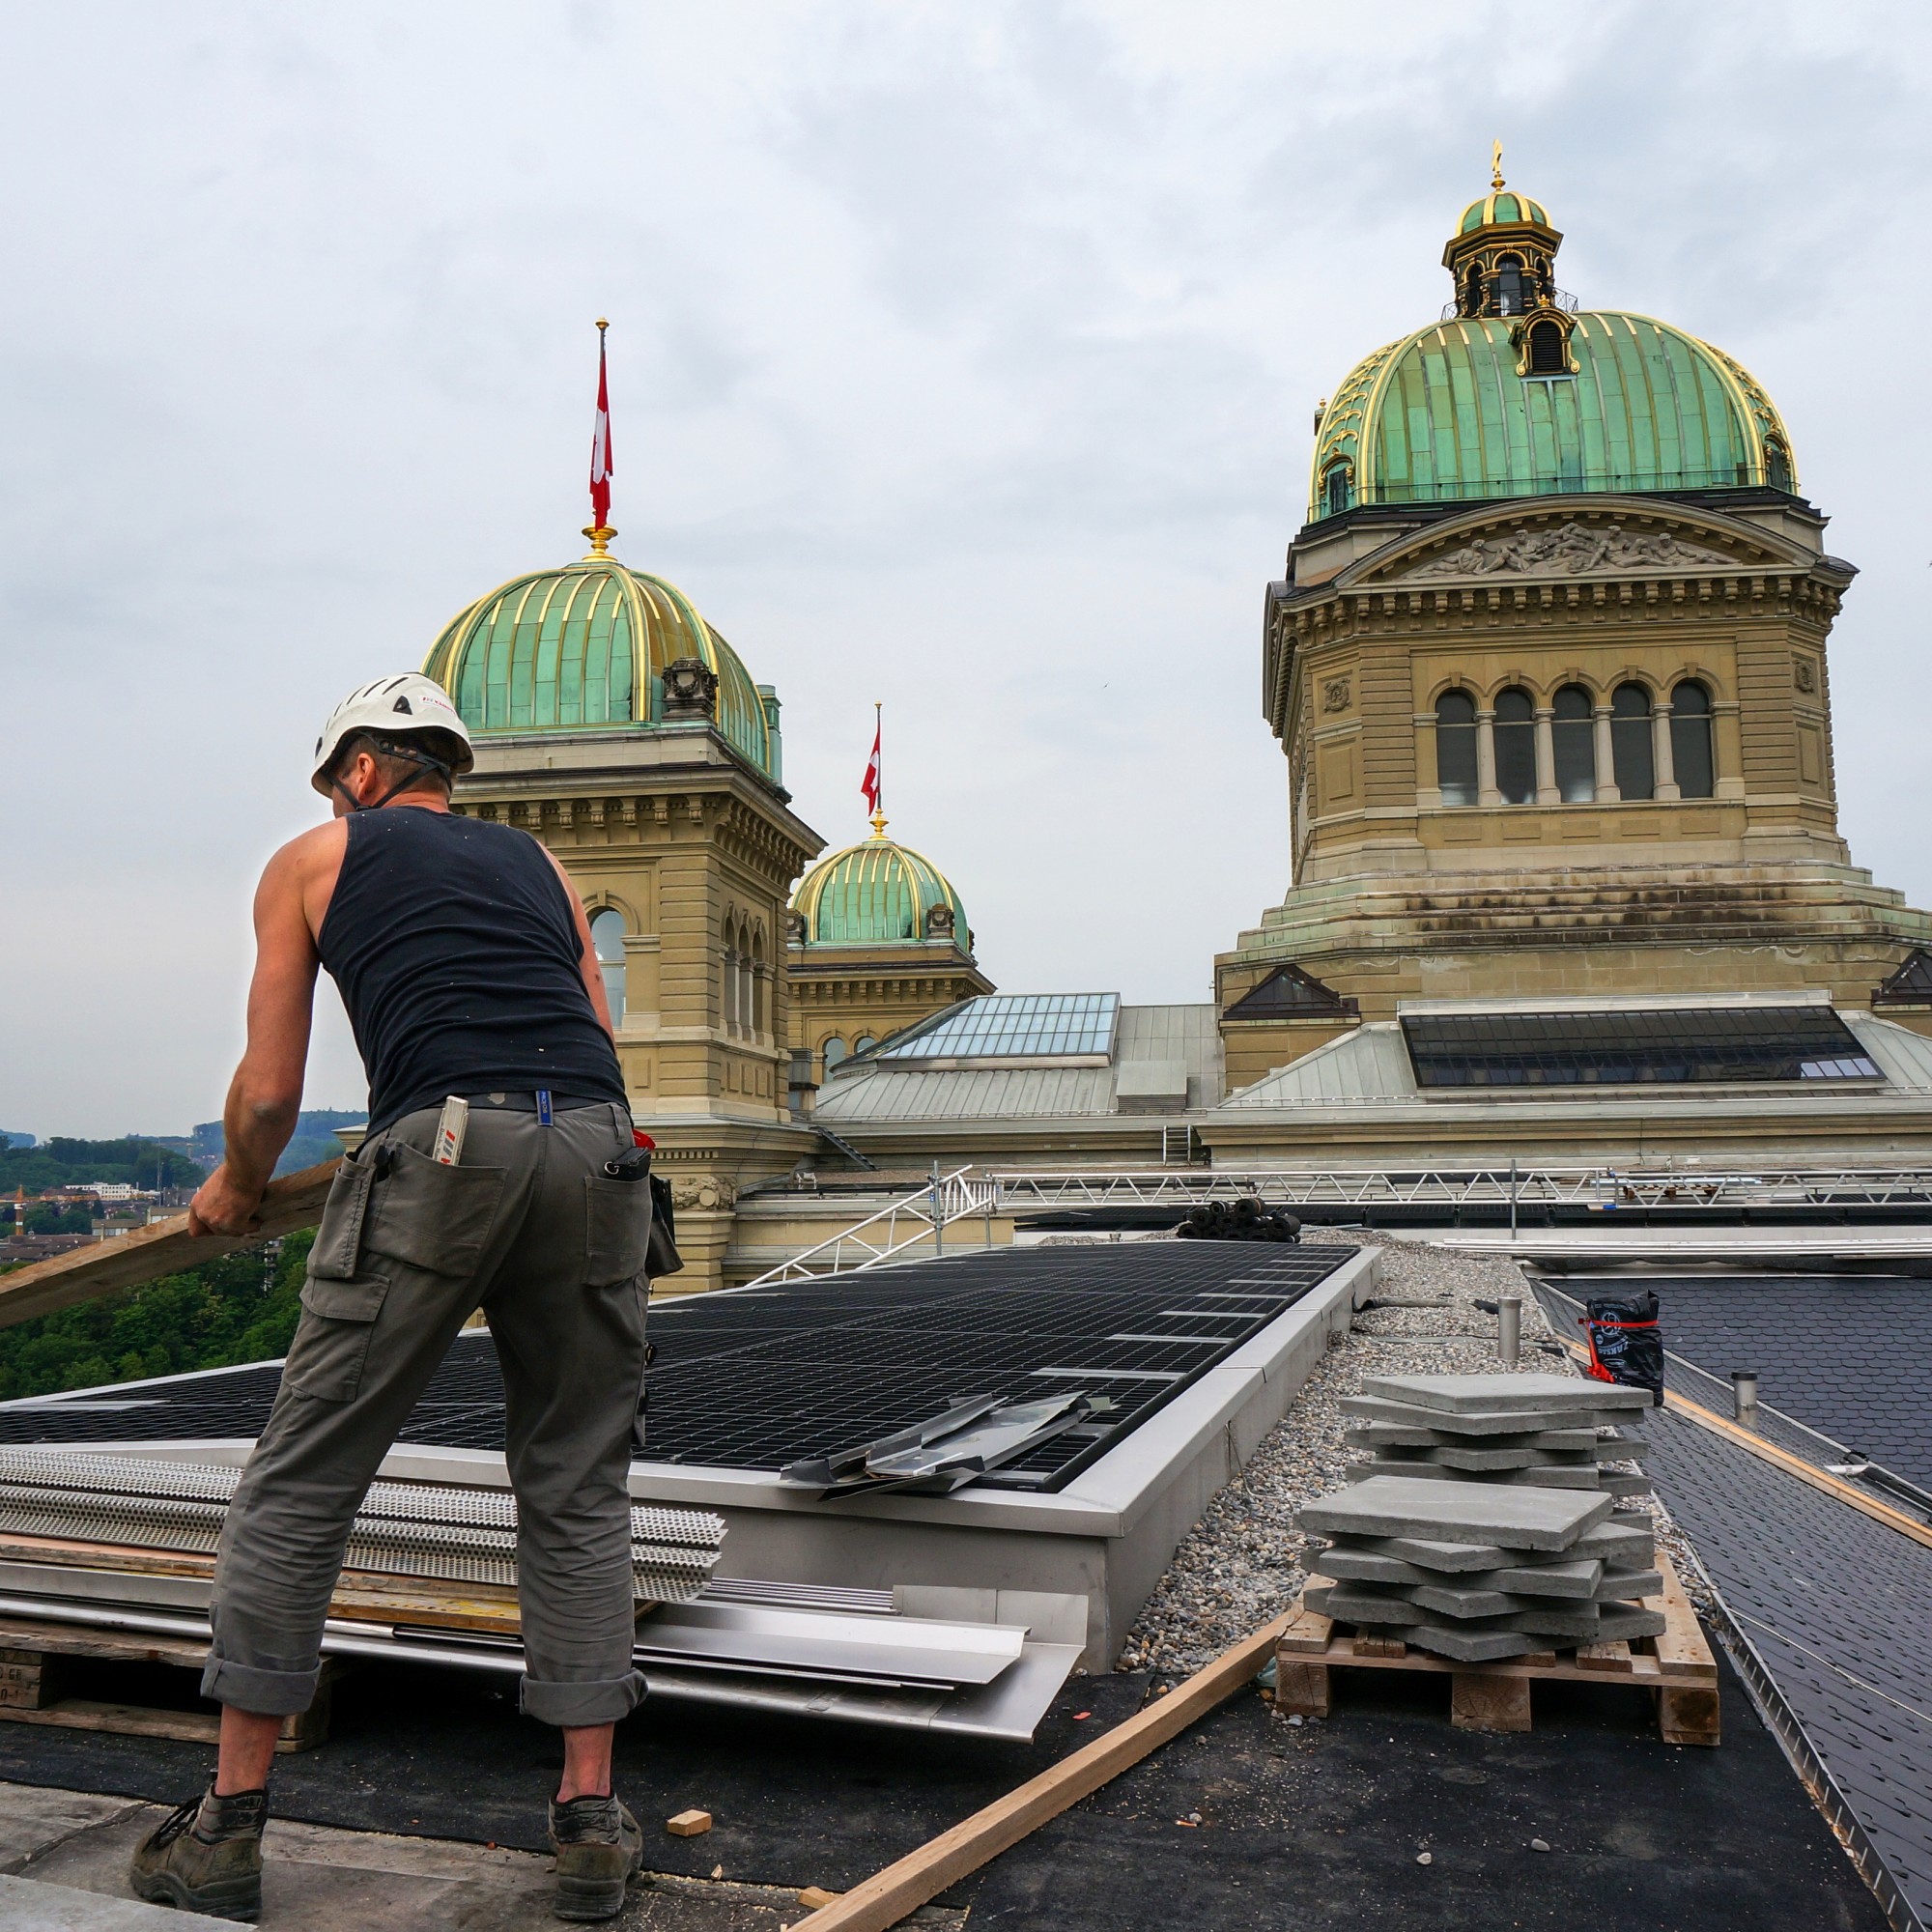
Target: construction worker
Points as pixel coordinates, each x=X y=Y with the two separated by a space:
x=462 y=956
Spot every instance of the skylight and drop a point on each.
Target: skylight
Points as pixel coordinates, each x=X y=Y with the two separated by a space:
x=1012 y=1026
x=1635 y=1047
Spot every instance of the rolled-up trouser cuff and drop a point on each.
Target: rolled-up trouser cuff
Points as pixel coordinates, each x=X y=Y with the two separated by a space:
x=601 y=1701
x=268 y=1694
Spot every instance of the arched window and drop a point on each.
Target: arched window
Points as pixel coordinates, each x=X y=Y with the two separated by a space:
x=1456 y=747
x=1691 y=740
x=1546 y=350
x=1776 y=465
x=758 y=984
x=864 y=1044
x=1335 y=489
x=730 y=980
x=606 y=941
x=1509 y=285
x=835 y=1050
x=1630 y=745
x=1472 y=298
x=746 y=978
x=1574 y=742
x=1516 y=747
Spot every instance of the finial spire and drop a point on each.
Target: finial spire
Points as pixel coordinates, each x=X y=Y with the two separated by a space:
x=1495 y=165
x=602 y=468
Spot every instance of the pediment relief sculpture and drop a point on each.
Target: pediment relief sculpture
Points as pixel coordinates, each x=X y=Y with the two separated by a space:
x=1569 y=549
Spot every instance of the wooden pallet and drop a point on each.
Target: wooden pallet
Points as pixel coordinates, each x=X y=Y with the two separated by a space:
x=1676 y=1668
x=48 y=1670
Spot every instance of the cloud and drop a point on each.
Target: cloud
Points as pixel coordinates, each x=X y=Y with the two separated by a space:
x=962 y=357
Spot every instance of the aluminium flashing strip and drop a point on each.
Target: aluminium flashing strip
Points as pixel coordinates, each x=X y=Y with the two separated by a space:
x=1007 y=1708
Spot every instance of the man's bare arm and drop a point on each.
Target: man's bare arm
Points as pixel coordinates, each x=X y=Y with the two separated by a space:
x=265 y=1096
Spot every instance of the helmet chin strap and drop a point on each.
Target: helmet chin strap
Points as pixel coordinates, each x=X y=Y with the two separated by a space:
x=422 y=762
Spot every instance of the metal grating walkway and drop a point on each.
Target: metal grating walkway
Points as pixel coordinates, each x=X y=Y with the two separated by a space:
x=754 y=1380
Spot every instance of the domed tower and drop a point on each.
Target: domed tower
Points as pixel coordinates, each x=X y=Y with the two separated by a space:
x=617 y=726
x=1549 y=665
x=878 y=939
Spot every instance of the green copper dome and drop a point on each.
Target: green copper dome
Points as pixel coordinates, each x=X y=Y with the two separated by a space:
x=583 y=648
x=1449 y=414
x=1500 y=206
x=877 y=893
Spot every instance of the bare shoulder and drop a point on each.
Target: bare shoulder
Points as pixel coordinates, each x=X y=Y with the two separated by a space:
x=318 y=850
x=299 y=880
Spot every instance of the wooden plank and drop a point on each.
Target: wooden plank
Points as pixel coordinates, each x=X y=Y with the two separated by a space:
x=1377 y=1646
x=163 y=1247
x=1480 y=1700
x=300 y=1732
x=1642 y=1669
x=1612 y=1659
x=1307 y=1631
x=901 y=1887
x=112 y=1646
x=1681 y=1649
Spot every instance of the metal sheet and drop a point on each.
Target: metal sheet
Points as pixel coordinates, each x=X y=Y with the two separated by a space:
x=754 y=1635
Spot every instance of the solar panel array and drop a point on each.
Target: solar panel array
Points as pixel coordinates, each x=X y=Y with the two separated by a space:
x=756 y=1379
x=1635 y=1047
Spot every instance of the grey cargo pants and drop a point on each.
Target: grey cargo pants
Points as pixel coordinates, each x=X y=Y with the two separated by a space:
x=529 y=1228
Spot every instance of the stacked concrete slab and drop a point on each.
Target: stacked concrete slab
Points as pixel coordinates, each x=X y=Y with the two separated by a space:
x=1545 y=1431
x=1456 y=1541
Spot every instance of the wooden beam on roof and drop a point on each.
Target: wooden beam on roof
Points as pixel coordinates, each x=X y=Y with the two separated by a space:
x=163 y=1247
x=889 y=1895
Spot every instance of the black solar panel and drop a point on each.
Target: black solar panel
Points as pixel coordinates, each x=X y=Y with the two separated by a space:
x=1635 y=1047
x=758 y=1380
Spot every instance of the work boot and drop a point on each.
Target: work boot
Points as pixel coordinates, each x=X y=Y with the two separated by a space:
x=206 y=1856
x=599 y=1851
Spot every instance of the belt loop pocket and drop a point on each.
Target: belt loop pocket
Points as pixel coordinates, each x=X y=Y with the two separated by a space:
x=338 y=1239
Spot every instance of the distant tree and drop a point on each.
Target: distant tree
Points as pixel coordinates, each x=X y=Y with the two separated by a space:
x=59 y=1162
x=240 y=1308
x=54 y=1217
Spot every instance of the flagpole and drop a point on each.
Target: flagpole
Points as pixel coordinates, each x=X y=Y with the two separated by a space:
x=879 y=753
x=602 y=469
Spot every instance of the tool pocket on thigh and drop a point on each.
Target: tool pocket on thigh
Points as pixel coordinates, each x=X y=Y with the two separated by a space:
x=331 y=1342
x=617 y=1223
x=338 y=1238
x=432 y=1216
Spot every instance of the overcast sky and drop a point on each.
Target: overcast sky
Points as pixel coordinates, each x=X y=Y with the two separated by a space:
x=962 y=357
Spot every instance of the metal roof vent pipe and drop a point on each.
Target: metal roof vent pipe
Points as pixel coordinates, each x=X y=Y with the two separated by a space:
x=1743 y=1396
x=1508 y=1329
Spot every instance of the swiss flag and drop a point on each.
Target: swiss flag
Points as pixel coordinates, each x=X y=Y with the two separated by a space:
x=601 y=466
x=869 y=783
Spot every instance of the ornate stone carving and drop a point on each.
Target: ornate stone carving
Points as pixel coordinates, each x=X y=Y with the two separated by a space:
x=1336 y=693
x=1571 y=546
x=690 y=690
x=939 y=922
x=1804 y=675
x=706 y=1195
x=795 y=928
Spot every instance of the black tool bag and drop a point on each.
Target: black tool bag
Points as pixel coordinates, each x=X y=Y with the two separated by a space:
x=1626 y=1343
x=664 y=1257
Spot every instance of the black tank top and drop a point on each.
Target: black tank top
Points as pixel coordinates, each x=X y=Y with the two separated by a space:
x=452 y=943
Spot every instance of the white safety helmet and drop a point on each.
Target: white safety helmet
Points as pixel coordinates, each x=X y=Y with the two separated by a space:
x=390 y=707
